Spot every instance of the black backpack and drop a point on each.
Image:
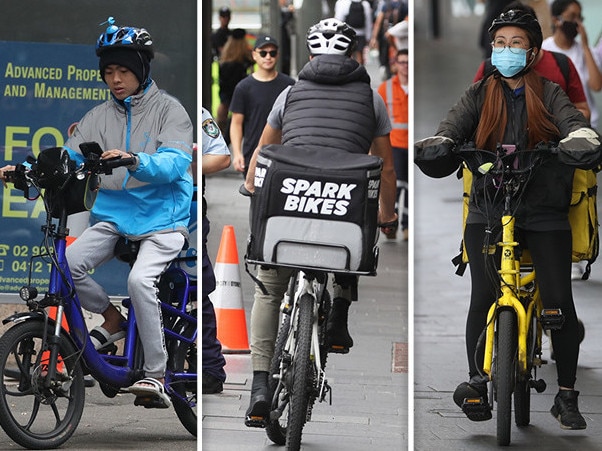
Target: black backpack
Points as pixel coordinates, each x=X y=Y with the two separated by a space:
x=356 y=17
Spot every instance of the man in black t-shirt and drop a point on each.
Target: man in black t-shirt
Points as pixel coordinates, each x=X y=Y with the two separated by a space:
x=252 y=101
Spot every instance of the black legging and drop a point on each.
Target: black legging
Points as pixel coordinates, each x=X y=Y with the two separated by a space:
x=551 y=255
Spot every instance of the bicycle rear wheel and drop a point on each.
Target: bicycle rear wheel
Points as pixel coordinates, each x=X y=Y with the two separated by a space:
x=302 y=374
x=35 y=415
x=505 y=373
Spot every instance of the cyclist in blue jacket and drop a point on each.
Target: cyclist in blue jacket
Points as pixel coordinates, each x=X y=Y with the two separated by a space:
x=148 y=202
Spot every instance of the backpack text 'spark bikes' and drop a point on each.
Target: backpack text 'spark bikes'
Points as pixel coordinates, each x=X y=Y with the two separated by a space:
x=43 y=363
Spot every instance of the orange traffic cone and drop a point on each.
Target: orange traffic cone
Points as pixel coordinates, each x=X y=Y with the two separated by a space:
x=227 y=297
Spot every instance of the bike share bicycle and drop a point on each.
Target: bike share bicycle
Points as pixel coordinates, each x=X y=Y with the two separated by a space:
x=42 y=364
x=516 y=320
x=315 y=214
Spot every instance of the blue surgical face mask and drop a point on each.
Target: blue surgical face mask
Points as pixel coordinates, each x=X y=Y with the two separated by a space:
x=509 y=63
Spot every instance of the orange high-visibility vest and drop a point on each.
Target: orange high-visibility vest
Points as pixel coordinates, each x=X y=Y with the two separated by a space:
x=397 y=102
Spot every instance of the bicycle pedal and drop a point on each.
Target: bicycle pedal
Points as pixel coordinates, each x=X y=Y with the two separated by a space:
x=110 y=349
x=149 y=402
x=256 y=422
x=476 y=409
x=551 y=319
x=539 y=385
x=338 y=349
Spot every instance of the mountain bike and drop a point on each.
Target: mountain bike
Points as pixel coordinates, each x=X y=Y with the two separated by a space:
x=44 y=357
x=297 y=372
x=516 y=320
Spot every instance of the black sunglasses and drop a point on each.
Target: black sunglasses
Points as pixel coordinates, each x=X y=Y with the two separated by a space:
x=264 y=53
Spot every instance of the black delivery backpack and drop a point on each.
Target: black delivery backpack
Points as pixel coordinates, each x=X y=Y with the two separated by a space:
x=315 y=208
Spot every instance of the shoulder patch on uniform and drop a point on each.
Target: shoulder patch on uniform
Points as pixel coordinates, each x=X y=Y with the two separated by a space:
x=210 y=128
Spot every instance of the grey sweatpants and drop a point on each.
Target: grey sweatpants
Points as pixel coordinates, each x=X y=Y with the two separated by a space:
x=96 y=246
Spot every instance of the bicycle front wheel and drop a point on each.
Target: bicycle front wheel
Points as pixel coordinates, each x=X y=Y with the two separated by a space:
x=522 y=392
x=34 y=412
x=302 y=374
x=276 y=429
x=505 y=373
x=183 y=359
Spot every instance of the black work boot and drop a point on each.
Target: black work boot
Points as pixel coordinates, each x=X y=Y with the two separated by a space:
x=259 y=408
x=337 y=333
x=211 y=384
x=566 y=411
x=471 y=397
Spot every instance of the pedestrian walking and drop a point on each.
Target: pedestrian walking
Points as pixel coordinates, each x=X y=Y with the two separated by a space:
x=253 y=99
x=395 y=93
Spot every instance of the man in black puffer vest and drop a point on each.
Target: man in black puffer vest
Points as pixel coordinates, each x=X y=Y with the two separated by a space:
x=331 y=106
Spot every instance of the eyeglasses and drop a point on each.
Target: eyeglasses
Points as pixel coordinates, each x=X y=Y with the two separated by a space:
x=515 y=46
x=402 y=62
x=264 y=53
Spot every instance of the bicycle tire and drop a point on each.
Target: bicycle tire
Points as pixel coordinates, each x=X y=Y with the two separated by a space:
x=302 y=379
x=183 y=357
x=522 y=392
x=34 y=416
x=276 y=429
x=505 y=373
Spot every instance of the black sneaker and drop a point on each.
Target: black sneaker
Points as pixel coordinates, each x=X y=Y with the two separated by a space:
x=338 y=339
x=471 y=397
x=258 y=413
x=212 y=385
x=566 y=411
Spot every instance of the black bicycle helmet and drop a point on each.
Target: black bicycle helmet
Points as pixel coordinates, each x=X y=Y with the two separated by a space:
x=521 y=19
x=331 y=36
x=125 y=37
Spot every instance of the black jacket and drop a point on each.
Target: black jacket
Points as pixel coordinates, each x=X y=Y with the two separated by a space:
x=545 y=203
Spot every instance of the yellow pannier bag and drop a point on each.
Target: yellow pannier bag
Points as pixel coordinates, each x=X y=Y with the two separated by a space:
x=583 y=217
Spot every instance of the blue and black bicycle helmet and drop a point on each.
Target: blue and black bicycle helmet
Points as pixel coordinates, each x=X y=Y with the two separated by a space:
x=125 y=37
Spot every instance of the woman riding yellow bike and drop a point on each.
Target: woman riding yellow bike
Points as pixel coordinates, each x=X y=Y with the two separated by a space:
x=515 y=108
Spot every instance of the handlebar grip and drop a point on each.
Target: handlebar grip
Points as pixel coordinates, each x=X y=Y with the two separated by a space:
x=9 y=176
x=117 y=162
x=244 y=191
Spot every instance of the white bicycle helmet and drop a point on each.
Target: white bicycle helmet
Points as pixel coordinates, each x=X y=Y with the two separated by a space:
x=332 y=37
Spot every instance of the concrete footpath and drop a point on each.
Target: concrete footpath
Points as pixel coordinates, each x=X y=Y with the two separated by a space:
x=369 y=385
x=442 y=72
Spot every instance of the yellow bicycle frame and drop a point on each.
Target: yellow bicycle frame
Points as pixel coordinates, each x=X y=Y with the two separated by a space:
x=510 y=286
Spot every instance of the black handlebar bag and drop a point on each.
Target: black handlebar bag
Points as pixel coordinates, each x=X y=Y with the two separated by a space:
x=315 y=208
x=54 y=170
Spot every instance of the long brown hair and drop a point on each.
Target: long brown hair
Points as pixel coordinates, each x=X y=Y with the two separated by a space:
x=236 y=49
x=494 y=114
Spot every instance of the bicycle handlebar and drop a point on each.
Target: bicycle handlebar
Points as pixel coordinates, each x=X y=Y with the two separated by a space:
x=502 y=162
x=94 y=165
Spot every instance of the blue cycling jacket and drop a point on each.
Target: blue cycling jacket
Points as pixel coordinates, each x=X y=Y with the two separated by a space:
x=154 y=195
